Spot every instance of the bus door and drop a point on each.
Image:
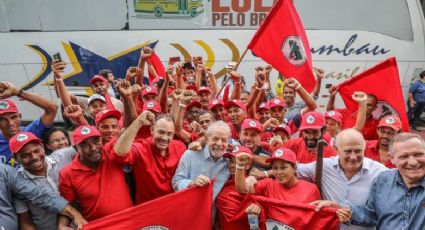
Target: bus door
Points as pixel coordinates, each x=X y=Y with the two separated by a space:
x=182 y=6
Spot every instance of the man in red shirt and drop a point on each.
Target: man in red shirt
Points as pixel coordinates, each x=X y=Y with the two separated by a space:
x=108 y=124
x=277 y=109
x=217 y=107
x=349 y=117
x=236 y=111
x=378 y=150
x=204 y=96
x=94 y=178
x=154 y=160
x=312 y=130
x=263 y=112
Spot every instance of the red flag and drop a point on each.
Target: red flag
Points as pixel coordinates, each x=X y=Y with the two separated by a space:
x=187 y=209
x=157 y=65
x=280 y=214
x=383 y=81
x=282 y=42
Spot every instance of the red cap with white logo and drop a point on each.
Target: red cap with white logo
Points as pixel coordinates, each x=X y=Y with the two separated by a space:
x=236 y=150
x=20 y=139
x=149 y=90
x=276 y=102
x=334 y=115
x=283 y=154
x=391 y=121
x=252 y=124
x=312 y=120
x=153 y=106
x=216 y=102
x=237 y=103
x=97 y=78
x=83 y=132
x=102 y=115
x=7 y=106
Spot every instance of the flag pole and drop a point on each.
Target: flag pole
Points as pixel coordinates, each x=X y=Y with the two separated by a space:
x=236 y=67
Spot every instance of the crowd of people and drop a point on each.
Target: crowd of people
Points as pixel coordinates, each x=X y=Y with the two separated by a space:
x=134 y=142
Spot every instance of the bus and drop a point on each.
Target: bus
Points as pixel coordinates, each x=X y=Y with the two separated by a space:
x=346 y=37
x=173 y=7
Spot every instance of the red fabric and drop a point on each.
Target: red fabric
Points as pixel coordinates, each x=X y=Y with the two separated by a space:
x=349 y=120
x=372 y=152
x=152 y=172
x=384 y=74
x=228 y=202
x=303 y=155
x=281 y=23
x=187 y=209
x=235 y=133
x=226 y=93
x=101 y=192
x=109 y=104
x=296 y=215
x=302 y=191
x=157 y=65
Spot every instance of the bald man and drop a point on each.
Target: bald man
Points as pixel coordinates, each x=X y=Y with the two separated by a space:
x=346 y=177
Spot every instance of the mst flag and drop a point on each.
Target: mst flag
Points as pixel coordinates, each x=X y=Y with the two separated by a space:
x=187 y=209
x=282 y=42
x=383 y=81
x=156 y=64
x=289 y=215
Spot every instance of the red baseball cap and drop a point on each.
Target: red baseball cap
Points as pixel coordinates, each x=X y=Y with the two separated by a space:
x=334 y=115
x=7 y=106
x=83 y=132
x=215 y=103
x=149 y=90
x=204 y=90
x=312 y=120
x=192 y=87
x=276 y=102
x=98 y=78
x=236 y=150
x=252 y=124
x=20 y=139
x=152 y=106
x=194 y=103
x=284 y=128
x=283 y=154
x=391 y=121
x=102 y=115
x=237 y=103
x=263 y=105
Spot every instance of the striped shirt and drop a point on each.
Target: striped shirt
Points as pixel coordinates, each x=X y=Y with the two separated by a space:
x=336 y=186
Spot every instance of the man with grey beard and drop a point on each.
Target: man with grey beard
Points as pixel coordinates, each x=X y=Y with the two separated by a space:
x=197 y=168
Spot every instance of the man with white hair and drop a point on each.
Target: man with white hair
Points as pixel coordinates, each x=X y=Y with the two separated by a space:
x=197 y=168
x=347 y=177
x=397 y=197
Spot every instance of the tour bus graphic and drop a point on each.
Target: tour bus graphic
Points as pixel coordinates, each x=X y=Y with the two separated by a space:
x=174 y=7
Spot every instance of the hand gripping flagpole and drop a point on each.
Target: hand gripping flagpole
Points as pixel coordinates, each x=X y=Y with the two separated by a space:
x=236 y=67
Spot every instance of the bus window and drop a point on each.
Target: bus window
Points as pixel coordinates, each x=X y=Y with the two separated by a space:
x=389 y=17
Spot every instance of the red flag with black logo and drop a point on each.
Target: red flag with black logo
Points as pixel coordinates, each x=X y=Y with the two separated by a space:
x=187 y=209
x=280 y=214
x=282 y=42
x=383 y=81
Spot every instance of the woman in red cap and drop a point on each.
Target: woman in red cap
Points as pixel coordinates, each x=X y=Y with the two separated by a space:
x=285 y=186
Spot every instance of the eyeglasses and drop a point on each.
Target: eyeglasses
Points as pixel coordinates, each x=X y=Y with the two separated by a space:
x=58 y=140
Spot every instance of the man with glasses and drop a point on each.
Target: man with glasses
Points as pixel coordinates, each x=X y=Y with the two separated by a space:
x=378 y=150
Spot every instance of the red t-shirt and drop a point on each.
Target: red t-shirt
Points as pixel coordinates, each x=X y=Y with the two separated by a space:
x=152 y=172
x=101 y=192
x=372 y=152
x=303 y=155
x=349 y=120
x=235 y=133
x=228 y=203
x=302 y=191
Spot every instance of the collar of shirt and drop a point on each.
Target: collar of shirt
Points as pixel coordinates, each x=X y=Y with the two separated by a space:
x=400 y=181
x=50 y=162
x=365 y=165
x=77 y=165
